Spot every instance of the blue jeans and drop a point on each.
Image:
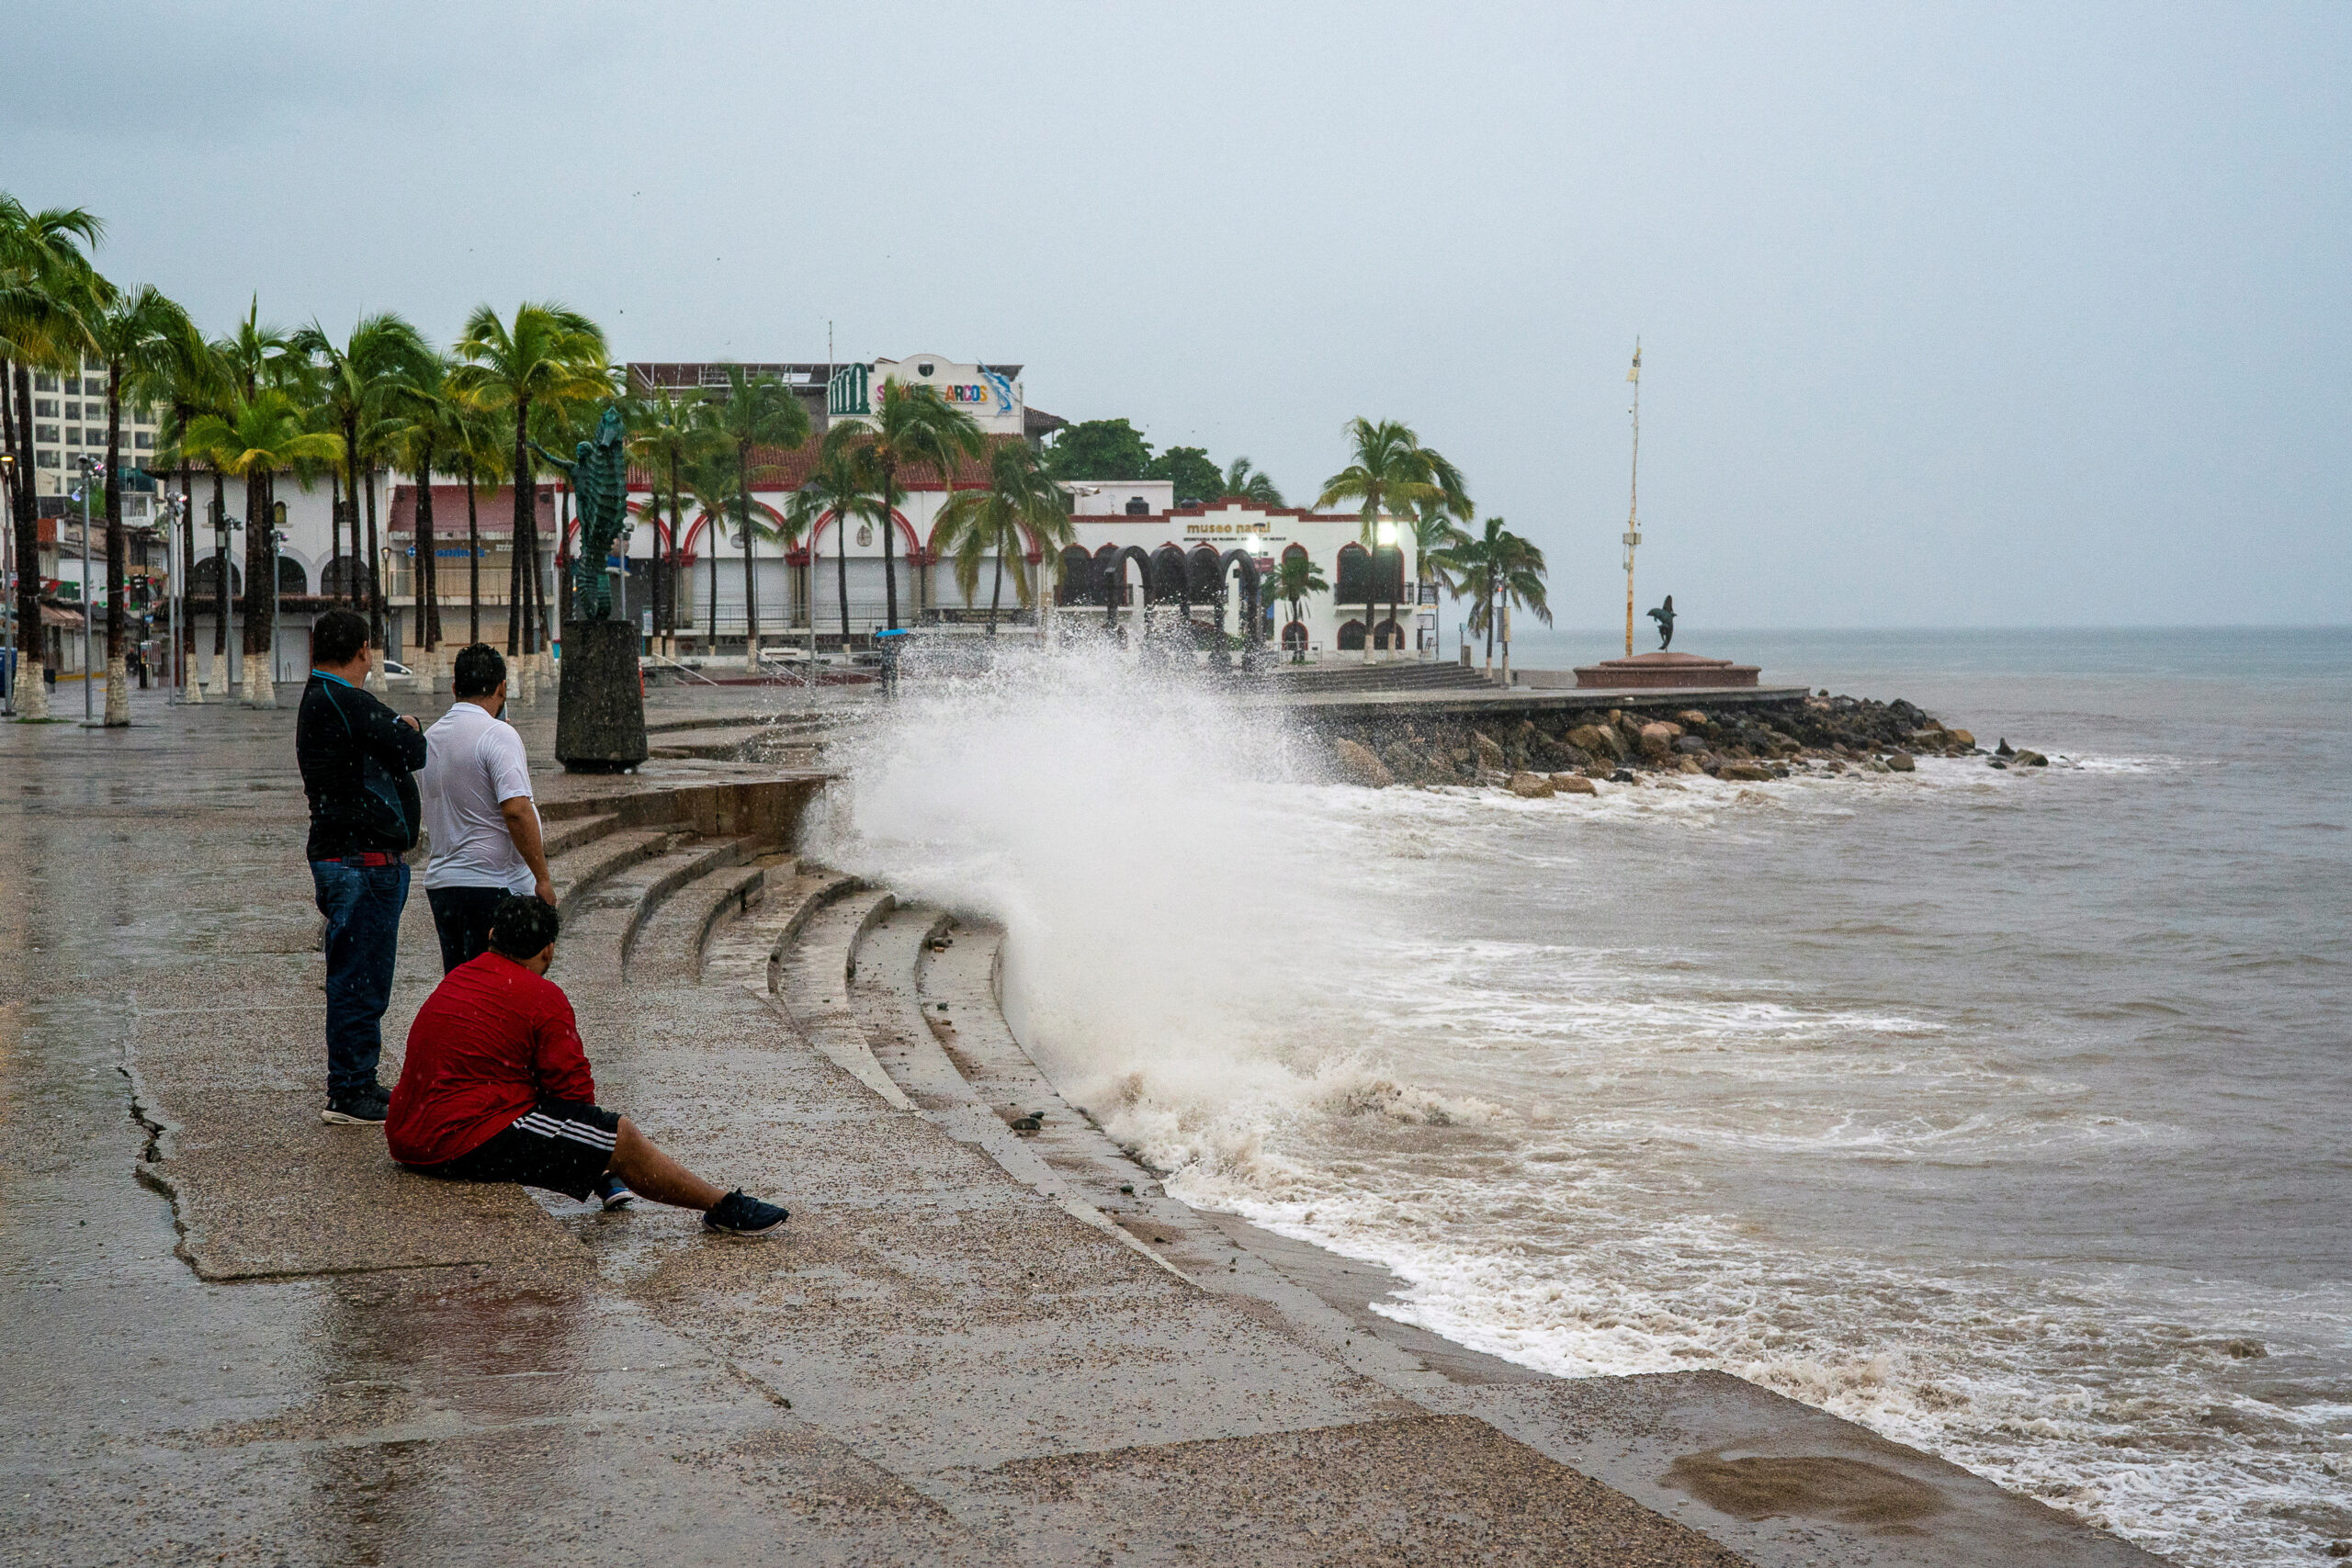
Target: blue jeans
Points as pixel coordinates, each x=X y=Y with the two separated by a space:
x=363 y=906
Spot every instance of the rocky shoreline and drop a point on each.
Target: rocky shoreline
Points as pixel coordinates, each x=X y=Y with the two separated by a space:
x=1568 y=752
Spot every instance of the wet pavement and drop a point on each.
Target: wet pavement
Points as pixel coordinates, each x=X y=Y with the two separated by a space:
x=341 y=1364
x=235 y=1335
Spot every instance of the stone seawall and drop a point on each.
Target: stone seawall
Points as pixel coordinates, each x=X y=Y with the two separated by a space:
x=1546 y=746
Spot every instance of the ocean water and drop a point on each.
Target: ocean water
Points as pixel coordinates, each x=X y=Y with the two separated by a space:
x=2003 y=1112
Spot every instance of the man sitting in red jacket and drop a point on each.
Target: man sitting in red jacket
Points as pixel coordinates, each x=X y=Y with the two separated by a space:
x=496 y=1088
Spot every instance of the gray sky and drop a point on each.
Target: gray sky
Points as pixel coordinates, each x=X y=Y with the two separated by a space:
x=1952 y=315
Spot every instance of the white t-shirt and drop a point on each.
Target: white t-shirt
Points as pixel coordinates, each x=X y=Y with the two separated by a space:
x=473 y=761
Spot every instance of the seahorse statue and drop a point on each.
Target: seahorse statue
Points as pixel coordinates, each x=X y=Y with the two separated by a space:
x=599 y=475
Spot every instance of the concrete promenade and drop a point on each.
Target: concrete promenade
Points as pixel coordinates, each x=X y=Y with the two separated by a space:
x=234 y=1335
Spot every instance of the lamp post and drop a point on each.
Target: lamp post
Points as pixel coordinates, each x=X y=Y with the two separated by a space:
x=222 y=526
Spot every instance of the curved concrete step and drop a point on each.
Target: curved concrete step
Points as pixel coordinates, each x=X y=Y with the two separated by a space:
x=605 y=919
x=749 y=951
x=886 y=993
x=562 y=836
x=579 y=870
x=814 y=978
x=674 y=938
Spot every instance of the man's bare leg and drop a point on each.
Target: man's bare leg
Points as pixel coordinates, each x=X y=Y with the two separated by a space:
x=652 y=1173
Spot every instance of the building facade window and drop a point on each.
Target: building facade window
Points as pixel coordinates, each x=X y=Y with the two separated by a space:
x=146 y=441
x=46 y=431
x=44 y=408
x=44 y=382
x=45 y=459
x=73 y=436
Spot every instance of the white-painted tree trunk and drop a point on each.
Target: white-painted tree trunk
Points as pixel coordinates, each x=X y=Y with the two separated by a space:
x=118 y=692
x=261 y=692
x=33 y=689
x=191 y=678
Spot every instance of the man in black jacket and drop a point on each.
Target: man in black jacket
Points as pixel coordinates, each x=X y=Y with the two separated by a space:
x=356 y=756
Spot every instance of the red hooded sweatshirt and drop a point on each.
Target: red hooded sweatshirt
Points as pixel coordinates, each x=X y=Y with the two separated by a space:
x=490 y=1043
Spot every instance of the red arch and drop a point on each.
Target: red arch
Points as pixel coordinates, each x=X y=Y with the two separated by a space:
x=905 y=528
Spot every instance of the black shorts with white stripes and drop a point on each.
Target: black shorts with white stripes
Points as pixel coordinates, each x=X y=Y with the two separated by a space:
x=563 y=1148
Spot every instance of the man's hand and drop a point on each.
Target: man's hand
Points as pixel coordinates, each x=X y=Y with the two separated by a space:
x=546 y=890
x=409 y=719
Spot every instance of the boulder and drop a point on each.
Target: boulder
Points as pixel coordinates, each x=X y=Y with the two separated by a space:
x=1598 y=739
x=2030 y=760
x=2003 y=749
x=1690 y=746
x=1961 y=738
x=1691 y=718
x=1688 y=765
x=1403 y=761
x=1530 y=786
x=1901 y=762
x=1744 y=772
x=1490 y=754
x=1657 y=740
x=1572 y=784
x=1358 y=765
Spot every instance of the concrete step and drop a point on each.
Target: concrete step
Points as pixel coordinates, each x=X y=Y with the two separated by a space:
x=814 y=987
x=578 y=871
x=749 y=951
x=673 y=940
x=604 y=922
x=563 y=836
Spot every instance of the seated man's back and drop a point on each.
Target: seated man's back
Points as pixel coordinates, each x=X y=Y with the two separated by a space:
x=492 y=1043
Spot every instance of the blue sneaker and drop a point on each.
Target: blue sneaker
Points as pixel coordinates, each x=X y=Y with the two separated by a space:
x=612 y=1193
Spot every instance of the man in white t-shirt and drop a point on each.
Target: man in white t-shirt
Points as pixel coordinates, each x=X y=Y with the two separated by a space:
x=476 y=786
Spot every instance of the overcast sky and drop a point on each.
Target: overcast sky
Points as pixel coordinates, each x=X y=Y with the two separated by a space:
x=1951 y=316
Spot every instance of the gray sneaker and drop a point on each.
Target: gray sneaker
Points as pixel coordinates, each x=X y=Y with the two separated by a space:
x=740 y=1214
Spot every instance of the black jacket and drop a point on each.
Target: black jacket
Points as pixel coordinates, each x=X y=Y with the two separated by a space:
x=357 y=759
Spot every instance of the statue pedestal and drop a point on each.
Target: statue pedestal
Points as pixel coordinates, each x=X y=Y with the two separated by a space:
x=1665 y=672
x=600 y=704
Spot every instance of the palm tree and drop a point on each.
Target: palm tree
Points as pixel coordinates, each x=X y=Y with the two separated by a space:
x=1021 y=503
x=709 y=476
x=430 y=428
x=755 y=410
x=911 y=426
x=1246 y=483
x=663 y=429
x=133 y=335
x=189 y=380
x=40 y=252
x=1294 y=577
x=548 y=354
x=356 y=383
x=840 y=486
x=1391 y=475
x=1504 y=568
x=254 y=438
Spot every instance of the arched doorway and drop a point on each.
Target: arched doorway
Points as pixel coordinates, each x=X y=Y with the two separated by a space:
x=1351 y=638
x=1389 y=636
x=1294 y=638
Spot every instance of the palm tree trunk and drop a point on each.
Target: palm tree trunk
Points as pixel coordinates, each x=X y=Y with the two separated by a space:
x=525 y=529
x=889 y=558
x=353 y=582
x=335 y=526
x=751 y=585
x=428 y=606
x=996 y=593
x=184 y=633
x=710 y=645
x=32 y=641
x=1489 y=604
x=221 y=587
x=261 y=594
x=841 y=558
x=118 y=681
x=668 y=619
x=374 y=581
x=473 y=561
